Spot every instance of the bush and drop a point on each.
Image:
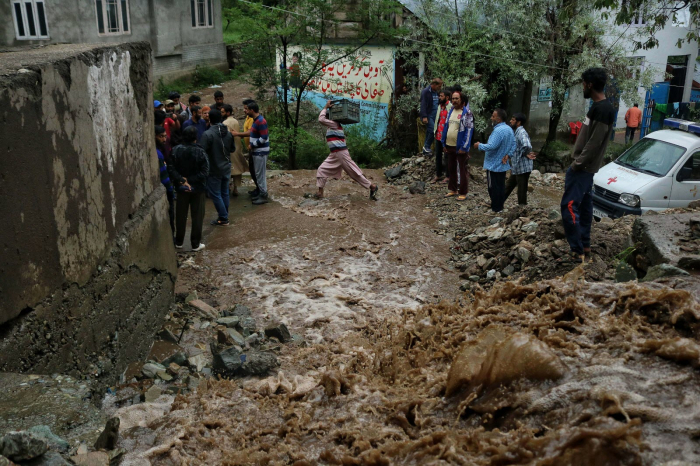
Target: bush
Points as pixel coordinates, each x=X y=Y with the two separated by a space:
x=365 y=150
x=162 y=89
x=614 y=150
x=206 y=76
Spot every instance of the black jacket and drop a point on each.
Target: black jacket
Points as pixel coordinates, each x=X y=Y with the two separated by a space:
x=218 y=143
x=191 y=162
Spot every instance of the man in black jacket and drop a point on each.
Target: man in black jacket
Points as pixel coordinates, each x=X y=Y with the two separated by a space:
x=188 y=171
x=218 y=143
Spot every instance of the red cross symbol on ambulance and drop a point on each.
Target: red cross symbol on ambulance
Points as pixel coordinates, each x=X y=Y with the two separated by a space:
x=612 y=180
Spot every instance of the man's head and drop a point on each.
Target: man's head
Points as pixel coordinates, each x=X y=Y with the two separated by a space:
x=169 y=106
x=219 y=97
x=636 y=105
x=189 y=135
x=594 y=80
x=174 y=96
x=214 y=116
x=252 y=109
x=444 y=96
x=456 y=87
x=158 y=105
x=436 y=84
x=158 y=117
x=459 y=100
x=195 y=112
x=161 y=137
x=498 y=116
x=194 y=100
x=205 y=113
x=245 y=105
x=517 y=120
x=226 y=110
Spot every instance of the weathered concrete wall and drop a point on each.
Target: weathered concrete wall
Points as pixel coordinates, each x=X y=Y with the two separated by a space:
x=87 y=264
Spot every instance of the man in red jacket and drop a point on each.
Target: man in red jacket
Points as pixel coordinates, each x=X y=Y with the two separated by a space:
x=632 y=118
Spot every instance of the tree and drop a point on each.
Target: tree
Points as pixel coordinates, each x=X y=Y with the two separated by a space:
x=294 y=42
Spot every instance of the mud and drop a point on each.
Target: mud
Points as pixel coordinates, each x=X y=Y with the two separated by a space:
x=401 y=368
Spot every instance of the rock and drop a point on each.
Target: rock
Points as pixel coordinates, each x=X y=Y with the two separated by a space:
x=165 y=352
x=536 y=175
x=394 y=172
x=4 y=461
x=554 y=214
x=197 y=361
x=662 y=270
x=22 y=446
x=474 y=278
x=417 y=188
x=523 y=254
x=206 y=310
x=173 y=368
x=163 y=375
x=110 y=435
x=151 y=369
x=308 y=203
x=624 y=272
x=279 y=331
x=237 y=338
x=252 y=339
x=529 y=227
x=420 y=160
x=549 y=177
x=50 y=458
x=228 y=361
x=153 y=393
x=247 y=326
x=495 y=220
x=232 y=362
x=229 y=322
x=94 y=458
x=240 y=311
x=496 y=234
x=491 y=274
x=191 y=297
x=466 y=286
x=481 y=260
x=55 y=442
x=166 y=335
x=508 y=271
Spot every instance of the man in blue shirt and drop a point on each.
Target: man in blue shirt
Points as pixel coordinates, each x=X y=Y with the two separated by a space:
x=428 y=105
x=197 y=121
x=501 y=145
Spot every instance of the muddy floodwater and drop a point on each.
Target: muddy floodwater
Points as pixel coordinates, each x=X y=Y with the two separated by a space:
x=399 y=367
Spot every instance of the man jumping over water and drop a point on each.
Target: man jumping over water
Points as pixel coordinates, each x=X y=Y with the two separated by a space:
x=339 y=158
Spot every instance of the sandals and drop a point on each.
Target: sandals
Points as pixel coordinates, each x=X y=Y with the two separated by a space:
x=373 y=192
x=571 y=258
x=462 y=198
x=450 y=194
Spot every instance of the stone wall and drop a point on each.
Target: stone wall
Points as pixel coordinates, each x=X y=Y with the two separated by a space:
x=87 y=265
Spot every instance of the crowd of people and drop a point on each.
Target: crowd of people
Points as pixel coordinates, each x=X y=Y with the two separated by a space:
x=201 y=154
x=448 y=124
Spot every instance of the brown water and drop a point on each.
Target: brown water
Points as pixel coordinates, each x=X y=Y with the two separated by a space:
x=560 y=372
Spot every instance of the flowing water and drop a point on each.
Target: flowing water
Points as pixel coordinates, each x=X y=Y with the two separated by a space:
x=399 y=367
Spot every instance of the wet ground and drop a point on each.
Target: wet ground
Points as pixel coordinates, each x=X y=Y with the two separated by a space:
x=400 y=367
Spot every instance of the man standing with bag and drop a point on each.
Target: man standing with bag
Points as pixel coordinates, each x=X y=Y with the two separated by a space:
x=218 y=143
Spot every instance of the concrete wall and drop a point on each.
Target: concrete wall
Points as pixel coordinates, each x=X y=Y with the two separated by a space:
x=87 y=255
x=177 y=47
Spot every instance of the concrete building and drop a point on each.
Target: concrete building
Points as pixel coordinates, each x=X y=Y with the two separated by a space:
x=183 y=34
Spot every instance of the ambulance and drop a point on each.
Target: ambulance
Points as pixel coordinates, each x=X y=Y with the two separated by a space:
x=660 y=172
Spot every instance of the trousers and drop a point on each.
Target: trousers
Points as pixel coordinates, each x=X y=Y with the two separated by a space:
x=217 y=186
x=194 y=202
x=577 y=209
x=260 y=164
x=497 y=189
x=334 y=166
x=457 y=170
x=629 y=134
x=521 y=182
x=440 y=167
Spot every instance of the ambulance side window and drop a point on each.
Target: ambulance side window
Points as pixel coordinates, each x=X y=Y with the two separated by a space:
x=694 y=164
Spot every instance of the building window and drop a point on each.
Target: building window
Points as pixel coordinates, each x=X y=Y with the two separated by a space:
x=30 y=19
x=202 y=14
x=112 y=16
x=639 y=18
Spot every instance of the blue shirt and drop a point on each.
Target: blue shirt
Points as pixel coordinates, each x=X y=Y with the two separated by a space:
x=201 y=127
x=501 y=143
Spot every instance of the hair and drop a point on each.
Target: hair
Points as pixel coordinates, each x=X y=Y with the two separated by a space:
x=436 y=81
x=501 y=114
x=457 y=87
x=636 y=105
x=462 y=97
x=254 y=107
x=247 y=101
x=218 y=94
x=189 y=134
x=195 y=108
x=596 y=77
x=173 y=95
x=159 y=130
x=158 y=117
x=214 y=116
x=228 y=109
x=521 y=118
x=447 y=91
x=206 y=108
x=194 y=98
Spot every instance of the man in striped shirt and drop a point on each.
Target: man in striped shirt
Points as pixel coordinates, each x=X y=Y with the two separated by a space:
x=521 y=161
x=339 y=159
x=259 y=147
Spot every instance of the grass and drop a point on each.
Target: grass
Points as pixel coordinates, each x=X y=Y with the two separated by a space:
x=203 y=76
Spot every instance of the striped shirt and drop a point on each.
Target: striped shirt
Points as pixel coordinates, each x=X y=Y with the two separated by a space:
x=519 y=163
x=259 y=137
x=335 y=136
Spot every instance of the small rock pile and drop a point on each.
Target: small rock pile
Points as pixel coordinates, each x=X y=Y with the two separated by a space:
x=690 y=242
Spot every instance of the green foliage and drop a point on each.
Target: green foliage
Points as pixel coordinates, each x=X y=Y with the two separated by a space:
x=615 y=150
x=162 y=89
x=365 y=151
x=206 y=76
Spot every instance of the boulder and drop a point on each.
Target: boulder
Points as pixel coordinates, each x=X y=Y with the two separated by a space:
x=536 y=175
x=230 y=321
x=662 y=270
x=417 y=188
x=247 y=326
x=395 y=172
x=624 y=272
x=233 y=362
x=206 y=310
x=55 y=442
x=22 y=446
x=523 y=254
x=554 y=214
x=279 y=331
x=529 y=227
x=110 y=435
x=151 y=369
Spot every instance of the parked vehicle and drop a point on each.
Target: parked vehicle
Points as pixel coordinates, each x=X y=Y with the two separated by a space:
x=659 y=172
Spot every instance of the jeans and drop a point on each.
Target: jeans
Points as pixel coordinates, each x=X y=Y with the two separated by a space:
x=521 y=182
x=577 y=209
x=439 y=161
x=195 y=203
x=171 y=209
x=217 y=187
x=629 y=134
x=429 y=135
x=497 y=189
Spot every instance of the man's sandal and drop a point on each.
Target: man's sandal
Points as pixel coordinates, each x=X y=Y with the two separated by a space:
x=450 y=194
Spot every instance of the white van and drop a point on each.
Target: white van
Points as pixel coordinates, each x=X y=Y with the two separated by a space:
x=659 y=172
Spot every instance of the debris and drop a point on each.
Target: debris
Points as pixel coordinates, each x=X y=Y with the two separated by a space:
x=233 y=362
x=394 y=172
x=22 y=446
x=55 y=442
x=417 y=188
x=110 y=435
x=624 y=272
x=662 y=270
x=151 y=369
x=204 y=308
x=94 y=458
x=230 y=321
x=279 y=331
x=153 y=393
